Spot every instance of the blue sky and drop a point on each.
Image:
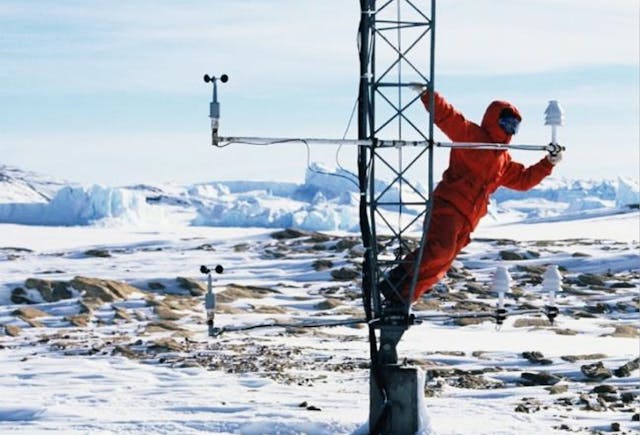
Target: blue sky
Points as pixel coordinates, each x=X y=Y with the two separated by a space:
x=112 y=93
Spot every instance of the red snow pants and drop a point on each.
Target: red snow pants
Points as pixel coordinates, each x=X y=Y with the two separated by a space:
x=448 y=233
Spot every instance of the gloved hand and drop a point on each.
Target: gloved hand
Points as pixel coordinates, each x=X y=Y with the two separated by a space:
x=554 y=157
x=418 y=88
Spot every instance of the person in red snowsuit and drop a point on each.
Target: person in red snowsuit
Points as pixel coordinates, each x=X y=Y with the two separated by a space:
x=460 y=200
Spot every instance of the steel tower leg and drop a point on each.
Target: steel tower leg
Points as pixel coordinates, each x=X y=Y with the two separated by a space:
x=396 y=43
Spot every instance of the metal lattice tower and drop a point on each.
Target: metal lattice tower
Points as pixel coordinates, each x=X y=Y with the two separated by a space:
x=397 y=40
x=396 y=44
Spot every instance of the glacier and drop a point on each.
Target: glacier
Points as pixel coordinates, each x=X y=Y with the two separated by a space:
x=327 y=200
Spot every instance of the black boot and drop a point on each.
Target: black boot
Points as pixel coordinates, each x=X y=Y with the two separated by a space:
x=392 y=284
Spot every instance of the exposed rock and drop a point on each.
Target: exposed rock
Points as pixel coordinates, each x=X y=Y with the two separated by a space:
x=163 y=326
x=558 y=389
x=534 y=270
x=12 y=330
x=429 y=304
x=475 y=382
x=574 y=358
x=625 y=370
x=344 y=244
x=468 y=321
x=628 y=397
x=536 y=358
x=234 y=292
x=510 y=256
x=101 y=253
x=165 y=313
x=125 y=351
x=531 y=322
x=328 y=304
x=29 y=313
x=473 y=306
x=89 y=304
x=165 y=345
x=155 y=285
x=596 y=371
x=320 y=265
x=269 y=309
x=103 y=289
x=529 y=405
x=474 y=287
x=345 y=274
x=195 y=287
x=241 y=247
x=288 y=233
x=604 y=389
x=565 y=331
x=121 y=313
x=51 y=291
x=177 y=302
x=80 y=320
x=32 y=322
x=206 y=247
x=625 y=331
x=615 y=427
x=623 y=284
x=590 y=279
x=20 y=296
x=540 y=378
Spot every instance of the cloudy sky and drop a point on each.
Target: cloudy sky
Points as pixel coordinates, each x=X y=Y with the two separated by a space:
x=112 y=92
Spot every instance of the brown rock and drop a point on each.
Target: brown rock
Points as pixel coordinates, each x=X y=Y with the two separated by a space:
x=344 y=244
x=288 y=233
x=345 y=274
x=155 y=285
x=29 y=313
x=531 y=322
x=101 y=253
x=596 y=371
x=320 y=265
x=165 y=313
x=125 y=351
x=625 y=331
x=558 y=389
x=51 y=291
x=80 y=320
x=195 y=287
x=328 y=304
x=590 y=279
x=166 y=345
x=20 y=296
x=510 y=256
x=591 y=356
x=103 y=289
x=163 y=326
x=234 y=292
x=12 y=330
x=540 y=378
x=625 y=370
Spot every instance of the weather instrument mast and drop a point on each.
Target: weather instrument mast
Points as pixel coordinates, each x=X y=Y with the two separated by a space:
x=396 y=51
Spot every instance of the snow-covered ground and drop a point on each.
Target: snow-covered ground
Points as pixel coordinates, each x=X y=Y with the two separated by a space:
x=118 y=343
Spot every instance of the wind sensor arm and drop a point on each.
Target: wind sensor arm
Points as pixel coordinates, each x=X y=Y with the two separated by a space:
x=554 y=117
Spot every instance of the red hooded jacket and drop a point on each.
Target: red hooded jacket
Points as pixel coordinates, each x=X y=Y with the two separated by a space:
x=473 y=175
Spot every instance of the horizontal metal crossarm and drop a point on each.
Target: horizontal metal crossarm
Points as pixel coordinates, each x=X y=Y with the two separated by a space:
x=552 y=147
x=223 y=141
x=374 y=322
